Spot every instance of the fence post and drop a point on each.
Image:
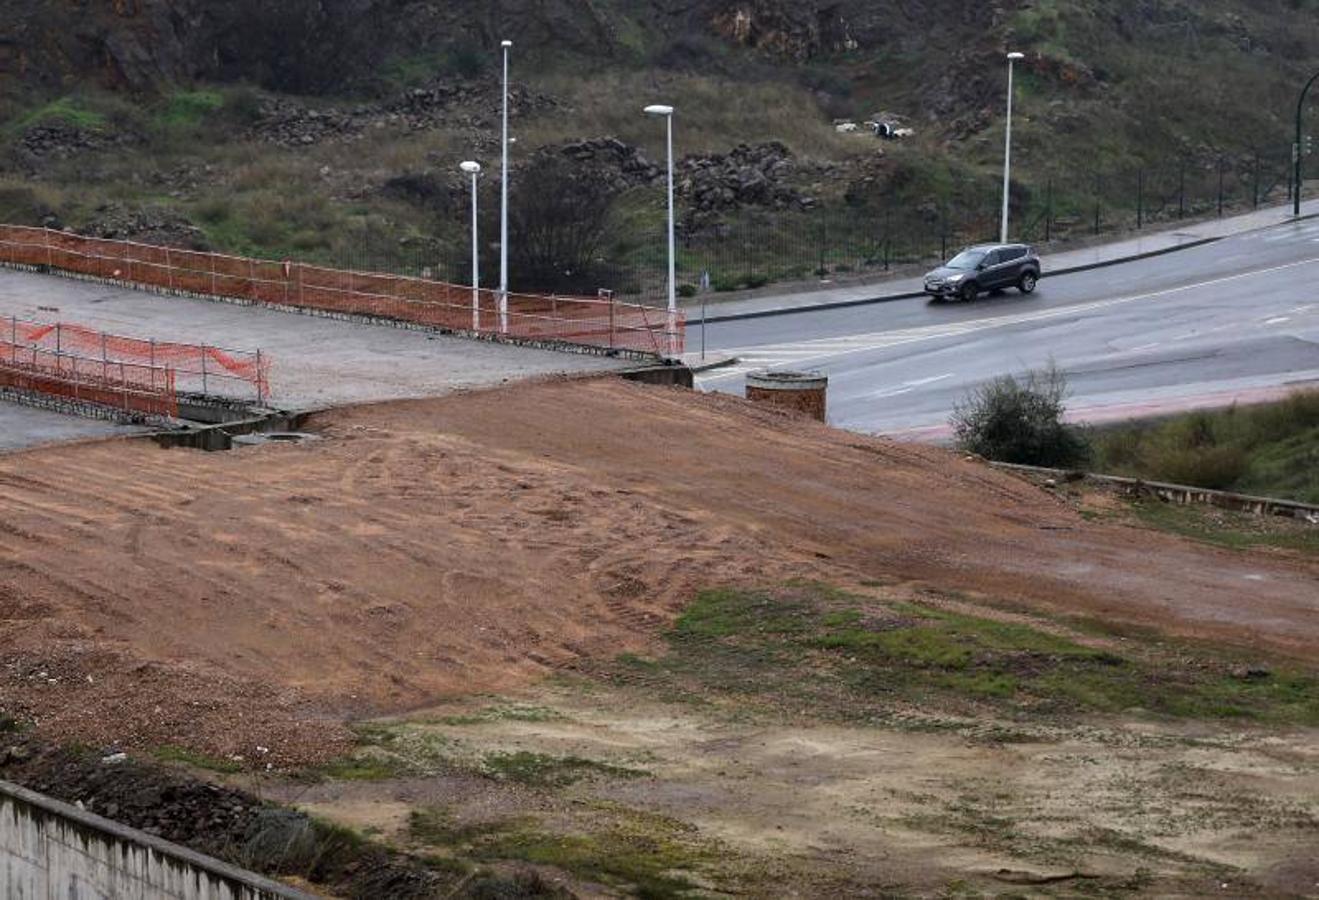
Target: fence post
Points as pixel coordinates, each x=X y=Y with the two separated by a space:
x=611 y=316
x=1255 y=202
x=888 y=234
x=1098 y=187
x=123 y=385
x=13 y=339
x=260 y=380
x=203 y=346
x=1181 y=190
x=1140 y=199
x=1220 y=187
x=57 y=338
x=1048 y=211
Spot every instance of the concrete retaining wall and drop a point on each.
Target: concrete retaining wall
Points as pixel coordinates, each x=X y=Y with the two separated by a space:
x=51 y=850
x=1181 y=493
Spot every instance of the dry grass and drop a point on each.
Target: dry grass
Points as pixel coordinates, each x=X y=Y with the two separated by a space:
x=713 y=114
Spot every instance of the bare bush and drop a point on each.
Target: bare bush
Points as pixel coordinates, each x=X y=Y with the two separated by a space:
x=1021 y=421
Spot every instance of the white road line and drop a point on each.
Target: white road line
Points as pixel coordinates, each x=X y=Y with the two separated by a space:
x=1277 y=320
x=921 y=382
x=830 y=348
x=1143 y=347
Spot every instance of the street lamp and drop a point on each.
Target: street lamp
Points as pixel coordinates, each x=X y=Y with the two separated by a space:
x=503 y=207
x=1298 y=149
x=474 y=169
x=667 y=113
x=1007 y=151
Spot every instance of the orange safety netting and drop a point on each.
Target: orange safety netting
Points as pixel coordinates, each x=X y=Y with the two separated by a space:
x=148 y=390
x=595 y=322
x=193 y=361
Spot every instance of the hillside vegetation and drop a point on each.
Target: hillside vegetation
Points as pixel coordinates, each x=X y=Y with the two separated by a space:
x=332 y=130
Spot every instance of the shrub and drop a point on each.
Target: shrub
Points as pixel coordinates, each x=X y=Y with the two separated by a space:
x=1021 y=421
x=687 y=290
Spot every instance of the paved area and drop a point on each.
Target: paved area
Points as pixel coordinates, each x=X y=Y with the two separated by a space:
x=1233 y=321
x=317 y=362
x=1153 y=241
x=23 y=426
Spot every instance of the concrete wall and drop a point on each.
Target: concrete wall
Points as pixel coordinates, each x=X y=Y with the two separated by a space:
x=50 y=850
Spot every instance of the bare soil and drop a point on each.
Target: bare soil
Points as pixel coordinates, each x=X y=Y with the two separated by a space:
x=248 y=603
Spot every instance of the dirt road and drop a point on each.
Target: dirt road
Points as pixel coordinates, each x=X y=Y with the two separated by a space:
x=473 y=542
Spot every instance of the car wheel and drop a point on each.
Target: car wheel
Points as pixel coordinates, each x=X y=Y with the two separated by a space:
x=968 y=291
x=1028 y=282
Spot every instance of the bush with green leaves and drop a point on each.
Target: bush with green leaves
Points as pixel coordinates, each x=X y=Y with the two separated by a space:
x=1020 y=420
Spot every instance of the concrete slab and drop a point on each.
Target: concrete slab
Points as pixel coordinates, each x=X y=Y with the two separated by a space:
x=317 y=362
x=22 y=427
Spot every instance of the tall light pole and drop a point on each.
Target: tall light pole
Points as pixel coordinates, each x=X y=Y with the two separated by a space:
x=503 y=207
x=667 y=113
x=474 y=169
x=1007 y=151
x=1298 y=149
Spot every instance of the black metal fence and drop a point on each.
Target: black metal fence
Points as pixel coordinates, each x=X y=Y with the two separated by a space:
x=751 y=248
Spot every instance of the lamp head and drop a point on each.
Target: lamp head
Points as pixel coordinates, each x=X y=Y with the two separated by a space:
x=506 y=44
x=659 y=110
x=471 y=168
x=1015 y=55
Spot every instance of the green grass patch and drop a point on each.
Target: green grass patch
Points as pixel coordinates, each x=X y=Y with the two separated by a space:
x=636 y=852
x=391 y=750
x=543 y=770
x=71 y=110
x=827 y=654
x=171 y=753
x=188 y=109
x=1271 y=449
x=1227 y=528
x=505 y=713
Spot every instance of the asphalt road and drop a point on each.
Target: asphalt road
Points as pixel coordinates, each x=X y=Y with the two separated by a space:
x=1237 y=320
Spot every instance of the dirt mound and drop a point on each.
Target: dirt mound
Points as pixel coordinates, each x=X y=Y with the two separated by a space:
x=474 y=542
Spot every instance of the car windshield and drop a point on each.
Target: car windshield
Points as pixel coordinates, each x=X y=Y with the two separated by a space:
x=967 y=259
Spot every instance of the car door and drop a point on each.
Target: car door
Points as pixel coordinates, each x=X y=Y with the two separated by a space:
x=991 y=271
x=1008 y=268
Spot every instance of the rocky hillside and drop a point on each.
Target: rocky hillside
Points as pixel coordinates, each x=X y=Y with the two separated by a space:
x=311 y=127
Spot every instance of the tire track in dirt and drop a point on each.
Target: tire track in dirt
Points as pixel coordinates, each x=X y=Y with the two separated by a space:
x=474 y=542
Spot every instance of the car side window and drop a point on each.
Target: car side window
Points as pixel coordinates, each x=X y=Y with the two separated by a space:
x=1013 y=254
x=993 y=258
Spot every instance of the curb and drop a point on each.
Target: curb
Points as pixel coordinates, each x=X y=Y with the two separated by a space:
x=711 y=366
x=913 y=295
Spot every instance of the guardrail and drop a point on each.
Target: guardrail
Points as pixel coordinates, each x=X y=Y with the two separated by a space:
x=601 y=322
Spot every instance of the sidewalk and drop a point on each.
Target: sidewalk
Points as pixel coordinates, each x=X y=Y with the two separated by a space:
x=1153 y=243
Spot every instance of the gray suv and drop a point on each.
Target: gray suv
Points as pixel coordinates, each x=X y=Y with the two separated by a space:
x=988 y=267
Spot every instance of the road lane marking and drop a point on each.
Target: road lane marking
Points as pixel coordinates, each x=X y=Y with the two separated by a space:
x=1143 y=347
x=830 y=348
x=1277 y=320
x=921 y=382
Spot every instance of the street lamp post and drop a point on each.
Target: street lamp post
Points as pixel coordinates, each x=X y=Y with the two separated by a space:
x=667 y=113
x=503 y=206
x=1007 y=151
x=474 y=169
x=1298 y=149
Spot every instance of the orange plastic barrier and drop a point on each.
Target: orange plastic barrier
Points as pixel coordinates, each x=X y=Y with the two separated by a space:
x=148 y=390
x=596 y=322
x=199 y=368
